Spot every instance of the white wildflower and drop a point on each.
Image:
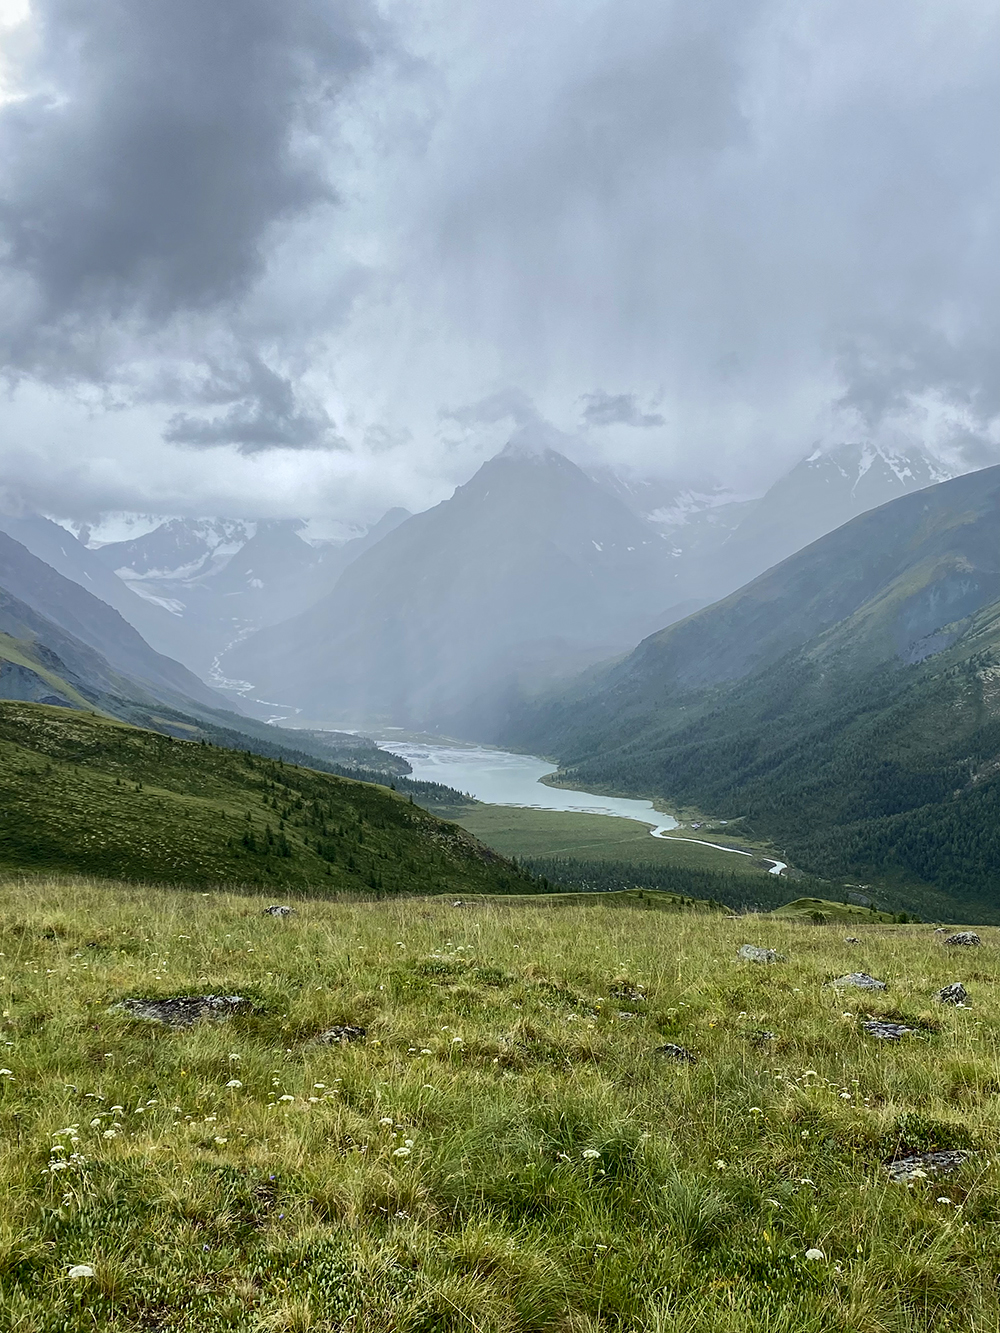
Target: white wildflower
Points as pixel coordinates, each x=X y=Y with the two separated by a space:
x=590 y=1155
x=815 y=1254
x=80 y=1270
x=234 y=1083
x=401 y=1152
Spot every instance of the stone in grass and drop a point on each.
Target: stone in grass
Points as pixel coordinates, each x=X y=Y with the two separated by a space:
x=859 y=979
x=953 y=994
x=965 y=939
x=278 y=910
x=341 y=1035
x=623 y=990
x=673 y=1052
x=885 y=1031
x=181 y=1011
x=851 y=939
x=762 y=1036
x=753 y=953
x=919 y=1166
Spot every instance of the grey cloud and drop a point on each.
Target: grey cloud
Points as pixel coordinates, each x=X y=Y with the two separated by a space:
x=268 y=412
x=505 y=405
x=169 y=138
x=617 y=409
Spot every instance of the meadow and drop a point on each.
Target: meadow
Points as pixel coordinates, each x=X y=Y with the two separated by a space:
x=504 y=1149
x=534 y=834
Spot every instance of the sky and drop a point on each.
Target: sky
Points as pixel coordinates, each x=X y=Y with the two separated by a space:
x=319 y=259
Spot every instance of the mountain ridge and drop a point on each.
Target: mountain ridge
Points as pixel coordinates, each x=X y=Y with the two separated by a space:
x=529 y=569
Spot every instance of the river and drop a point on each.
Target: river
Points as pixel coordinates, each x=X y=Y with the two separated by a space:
x=498 y=777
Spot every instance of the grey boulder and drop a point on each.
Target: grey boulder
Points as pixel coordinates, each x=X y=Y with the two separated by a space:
x=965 y=939
x=884 y=1031
x=953 y=994
x=861 y=980
x=753 y=953
x=673 y=1052
x=924 y=1164
x=181 y=1011
x=341 y=1035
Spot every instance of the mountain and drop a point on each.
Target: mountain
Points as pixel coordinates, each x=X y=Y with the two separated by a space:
x=528 y=572
x=92 y=622
x=845 y=703
x=87 y=795
x=220 y=579
x=819 y=494
x=50 y=542
x=179 y=548
x=720 y=540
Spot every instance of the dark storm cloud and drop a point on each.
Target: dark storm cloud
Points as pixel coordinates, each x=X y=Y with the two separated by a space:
x=268 y=413
x=617 y=409
x=161 y=142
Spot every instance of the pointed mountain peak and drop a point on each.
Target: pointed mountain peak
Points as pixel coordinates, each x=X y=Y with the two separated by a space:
x=535 y=442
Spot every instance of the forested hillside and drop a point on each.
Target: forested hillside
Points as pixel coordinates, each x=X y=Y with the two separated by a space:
x=87 y=795
x=858 y=728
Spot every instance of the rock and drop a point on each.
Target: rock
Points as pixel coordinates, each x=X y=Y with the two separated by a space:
x=924 y=1164
x=679 y=1053
x=851 y=939
x=965 y=939
x=953 y=994
x=886 y=1031
x=761 y=1037
x=181 y=1011
x=278 y=910
x=623 y=991
x=458 y=903
x=859 y=979
x=341 y=1035
x=753 y=953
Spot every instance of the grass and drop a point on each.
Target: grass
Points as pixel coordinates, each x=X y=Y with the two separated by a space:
x=505 y=1152
x=82 y=793
x=811 y=909
x=536 y=834
x=21 y=654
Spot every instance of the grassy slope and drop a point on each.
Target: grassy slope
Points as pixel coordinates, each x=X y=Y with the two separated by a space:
x=601 y=854
x=90 y=795
x=21 y=653
x=545 y=833
x=504 y=1153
